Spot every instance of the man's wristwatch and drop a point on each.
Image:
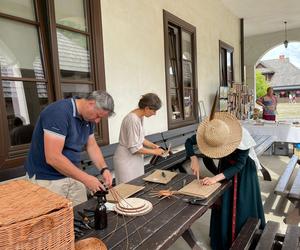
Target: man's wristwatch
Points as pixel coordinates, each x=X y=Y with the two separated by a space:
x=103 y=169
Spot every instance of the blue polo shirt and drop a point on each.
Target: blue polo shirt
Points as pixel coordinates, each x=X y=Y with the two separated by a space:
x=61 y=119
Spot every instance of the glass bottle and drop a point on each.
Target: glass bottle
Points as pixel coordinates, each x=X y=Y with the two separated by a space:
x=100 y=212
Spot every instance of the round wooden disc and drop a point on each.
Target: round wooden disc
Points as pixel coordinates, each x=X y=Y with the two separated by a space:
x=132 y=210
x=136 y=213
x=132 y=203
x=90 y=244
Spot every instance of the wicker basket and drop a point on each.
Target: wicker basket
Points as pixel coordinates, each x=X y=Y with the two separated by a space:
x=31 y=217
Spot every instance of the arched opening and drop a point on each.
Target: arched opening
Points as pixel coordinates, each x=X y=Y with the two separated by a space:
x=279 y=68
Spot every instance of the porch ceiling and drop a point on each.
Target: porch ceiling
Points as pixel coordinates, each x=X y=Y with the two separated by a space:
x=265 y=16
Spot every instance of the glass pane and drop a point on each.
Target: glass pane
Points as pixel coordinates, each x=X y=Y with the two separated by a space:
x=186 y=46
x=172 y=74
x=19 y=8
x=188 y=101
x=80 y=90
x=24 y=102
x=175 y=104
x=187 y=74
x=19 y=50
x=71 y=13
x=229 y=68
x=74 y=55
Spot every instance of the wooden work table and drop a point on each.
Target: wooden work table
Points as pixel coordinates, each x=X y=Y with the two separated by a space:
x=159 y=229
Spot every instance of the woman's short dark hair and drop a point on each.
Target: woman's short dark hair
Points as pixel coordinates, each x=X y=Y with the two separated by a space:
x=151 y=101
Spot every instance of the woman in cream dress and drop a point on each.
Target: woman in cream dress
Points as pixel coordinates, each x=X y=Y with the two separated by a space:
x=129 y=156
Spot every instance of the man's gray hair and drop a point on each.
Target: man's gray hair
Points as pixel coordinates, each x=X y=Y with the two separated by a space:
x=103 y=100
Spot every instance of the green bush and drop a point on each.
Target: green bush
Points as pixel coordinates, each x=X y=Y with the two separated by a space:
x=261 y=84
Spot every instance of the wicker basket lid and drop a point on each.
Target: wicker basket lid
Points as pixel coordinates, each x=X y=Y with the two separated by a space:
x=21 y=200
x=90 y=244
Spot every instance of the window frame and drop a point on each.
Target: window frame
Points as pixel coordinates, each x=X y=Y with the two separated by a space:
x=11 y=156
x=182 y=25
x=228 y=49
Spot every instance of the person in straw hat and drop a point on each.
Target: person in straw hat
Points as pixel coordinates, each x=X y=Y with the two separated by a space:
x=222 y=137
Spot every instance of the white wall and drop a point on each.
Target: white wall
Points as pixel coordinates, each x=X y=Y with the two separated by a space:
x=257 y=46
x=134 y=51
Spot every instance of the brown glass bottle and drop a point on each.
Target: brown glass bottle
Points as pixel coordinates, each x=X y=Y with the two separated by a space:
x=100 y=212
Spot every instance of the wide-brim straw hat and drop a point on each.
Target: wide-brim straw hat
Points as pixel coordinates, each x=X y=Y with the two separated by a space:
x=220 y=136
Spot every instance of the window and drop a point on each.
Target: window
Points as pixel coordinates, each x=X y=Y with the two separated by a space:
x=226 y=64
x=48 y=50
x=180 y=63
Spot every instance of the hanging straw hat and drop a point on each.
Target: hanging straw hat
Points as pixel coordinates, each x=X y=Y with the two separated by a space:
x=220 y=134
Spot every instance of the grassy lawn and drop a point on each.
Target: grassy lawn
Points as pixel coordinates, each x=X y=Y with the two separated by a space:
x=288 y=111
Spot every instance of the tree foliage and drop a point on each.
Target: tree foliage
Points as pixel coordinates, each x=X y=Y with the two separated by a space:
x=261 y=84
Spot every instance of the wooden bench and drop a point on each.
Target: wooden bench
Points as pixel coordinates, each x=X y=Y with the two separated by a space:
x=108 y=153
x=293 y=193
x=176 y=139
x=11 y=173
x=263 y=143
x=251 y=237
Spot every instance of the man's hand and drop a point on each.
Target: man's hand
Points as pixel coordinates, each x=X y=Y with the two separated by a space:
x=107 y=178
x=195 y=166
x=93 y=184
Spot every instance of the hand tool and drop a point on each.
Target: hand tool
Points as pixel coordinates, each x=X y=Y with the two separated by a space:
x=196 y=201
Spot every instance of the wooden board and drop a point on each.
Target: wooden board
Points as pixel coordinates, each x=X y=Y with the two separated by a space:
x=160 y=176
x=124 y=190
x=198 y=190
x=137 y=212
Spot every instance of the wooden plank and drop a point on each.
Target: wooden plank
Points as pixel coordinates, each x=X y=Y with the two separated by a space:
x=157 y=139
x=180 y=131
x=263 y=144
x=267 y=238
x=295 y=190
x=10 y=173
x=245 y=237
x=169 y=162
x=109 y=150
x=179 y=140
x=285 y=177
x=291 y=239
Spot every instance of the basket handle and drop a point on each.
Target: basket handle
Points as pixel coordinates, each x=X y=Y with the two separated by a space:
x=44 y=224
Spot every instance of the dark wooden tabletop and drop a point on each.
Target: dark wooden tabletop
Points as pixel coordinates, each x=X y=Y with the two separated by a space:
x=159 y=229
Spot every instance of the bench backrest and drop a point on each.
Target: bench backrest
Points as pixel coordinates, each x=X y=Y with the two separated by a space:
x=285 y=177
x=11 y=173
x=177 y=137
x=108 y=153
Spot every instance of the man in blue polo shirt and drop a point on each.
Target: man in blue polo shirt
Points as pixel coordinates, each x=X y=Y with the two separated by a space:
x=63 y=130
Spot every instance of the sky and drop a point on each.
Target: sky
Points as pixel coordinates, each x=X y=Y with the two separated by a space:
x=292 y=52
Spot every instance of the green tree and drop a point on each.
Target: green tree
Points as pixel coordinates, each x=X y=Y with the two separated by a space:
x=261 y=84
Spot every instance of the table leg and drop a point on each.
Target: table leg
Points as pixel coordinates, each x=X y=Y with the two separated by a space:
x=265 y=173
x=189 y=237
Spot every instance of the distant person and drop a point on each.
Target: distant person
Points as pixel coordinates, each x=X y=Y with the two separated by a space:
x=290 y=98
x=294 y=98
x=269 y=104
x=129 y=156
x=20 y=134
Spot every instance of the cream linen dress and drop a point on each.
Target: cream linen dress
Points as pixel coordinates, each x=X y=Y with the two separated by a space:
x=127 y=163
